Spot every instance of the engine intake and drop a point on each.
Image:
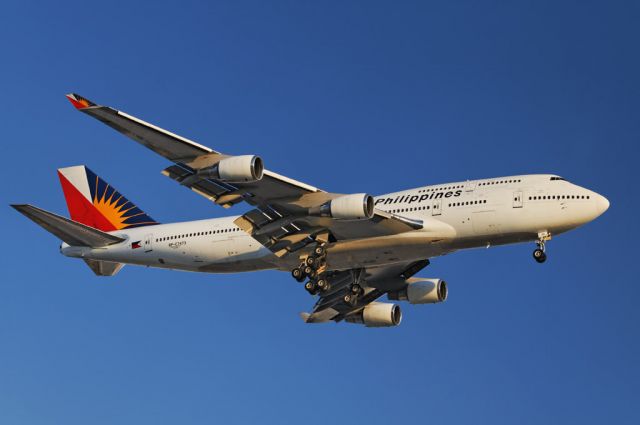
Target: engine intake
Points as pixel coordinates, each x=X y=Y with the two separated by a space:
x=235 y=169
x=377 y=315
x=346 y=207
x=421 y=291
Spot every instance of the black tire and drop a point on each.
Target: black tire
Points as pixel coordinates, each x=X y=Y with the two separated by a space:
x=539 y=255
x=308 y=270
x=310 y=261
x=319 y=251
x=356 y=289
x=311 y=287
x=322 y=284
x=297 y=274
x=351 y=299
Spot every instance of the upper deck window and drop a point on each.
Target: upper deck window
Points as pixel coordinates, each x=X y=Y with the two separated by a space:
x=556 y=178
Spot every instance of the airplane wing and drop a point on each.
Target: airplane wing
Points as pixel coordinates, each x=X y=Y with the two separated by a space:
x=281 y=220
x=376 y=281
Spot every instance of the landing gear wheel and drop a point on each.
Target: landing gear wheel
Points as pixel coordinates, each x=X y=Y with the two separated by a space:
x=356 y=289
x=311 y=287
x=298 y=274
x=319 y=251
x=322 y=284
x=539 y=255
x=350 y=299
x=310 y=261
x=307 y=270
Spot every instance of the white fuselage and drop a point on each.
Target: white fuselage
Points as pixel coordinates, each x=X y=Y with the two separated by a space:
x=455 y=216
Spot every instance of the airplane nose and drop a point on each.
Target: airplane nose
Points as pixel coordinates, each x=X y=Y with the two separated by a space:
x=602 y=204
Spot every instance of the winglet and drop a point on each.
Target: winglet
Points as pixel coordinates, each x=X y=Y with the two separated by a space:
x=79 y=102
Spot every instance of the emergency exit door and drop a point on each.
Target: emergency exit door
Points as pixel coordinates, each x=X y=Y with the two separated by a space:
x=148 y=243
x=436 y=208
x=517 y=199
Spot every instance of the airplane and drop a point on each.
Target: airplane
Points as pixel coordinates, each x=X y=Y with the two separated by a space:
x=348 y=250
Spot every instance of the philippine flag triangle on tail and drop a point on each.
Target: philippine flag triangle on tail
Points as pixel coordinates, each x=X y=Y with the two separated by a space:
x=93 y=202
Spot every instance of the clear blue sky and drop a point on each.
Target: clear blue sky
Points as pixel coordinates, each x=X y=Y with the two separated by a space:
x=349 y=97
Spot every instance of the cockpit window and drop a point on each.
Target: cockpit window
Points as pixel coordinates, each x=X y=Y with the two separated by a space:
x=556 y=178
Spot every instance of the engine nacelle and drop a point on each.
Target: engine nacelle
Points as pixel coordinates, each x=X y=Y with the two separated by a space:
x=378 y=315
x=347 y=207
x=235 y=169
x=421 y=291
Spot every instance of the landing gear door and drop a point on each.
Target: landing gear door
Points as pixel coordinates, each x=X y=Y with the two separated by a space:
x=148 y=243
x=517 y=199
x=436 y=208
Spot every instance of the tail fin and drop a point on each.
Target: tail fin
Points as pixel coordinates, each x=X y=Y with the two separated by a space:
x=93 y=202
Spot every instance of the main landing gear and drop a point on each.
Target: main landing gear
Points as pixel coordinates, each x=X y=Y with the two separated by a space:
x=351 y=297
x=313 y=267
x=539 y=253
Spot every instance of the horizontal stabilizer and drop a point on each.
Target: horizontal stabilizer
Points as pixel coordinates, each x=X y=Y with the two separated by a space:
x=104 y=268
x=69 y=231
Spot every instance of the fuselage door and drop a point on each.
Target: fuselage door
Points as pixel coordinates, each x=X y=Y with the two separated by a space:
x=436 y=208
x=517 y=199
x=148 y=243
x=470 y=186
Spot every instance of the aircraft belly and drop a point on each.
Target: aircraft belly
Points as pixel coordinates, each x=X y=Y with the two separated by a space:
x=384 y=250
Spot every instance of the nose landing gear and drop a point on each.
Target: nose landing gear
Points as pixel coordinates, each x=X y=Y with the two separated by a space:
x=539 y=254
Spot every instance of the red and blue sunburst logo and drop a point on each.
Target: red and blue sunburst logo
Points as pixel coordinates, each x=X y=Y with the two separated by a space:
x=93 y=202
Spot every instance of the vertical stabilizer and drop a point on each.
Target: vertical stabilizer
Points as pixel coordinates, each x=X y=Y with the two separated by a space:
x=95 y=203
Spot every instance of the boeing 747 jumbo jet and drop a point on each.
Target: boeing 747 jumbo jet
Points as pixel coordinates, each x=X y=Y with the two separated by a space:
x=348 y=249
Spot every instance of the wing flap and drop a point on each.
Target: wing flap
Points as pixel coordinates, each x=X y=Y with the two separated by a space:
x=217 y=192
x=283 y=233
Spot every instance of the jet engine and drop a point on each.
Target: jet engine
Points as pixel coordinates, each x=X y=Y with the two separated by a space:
x=377 y=315
x=346 y=207
x=421 y=291
x=235 y=169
